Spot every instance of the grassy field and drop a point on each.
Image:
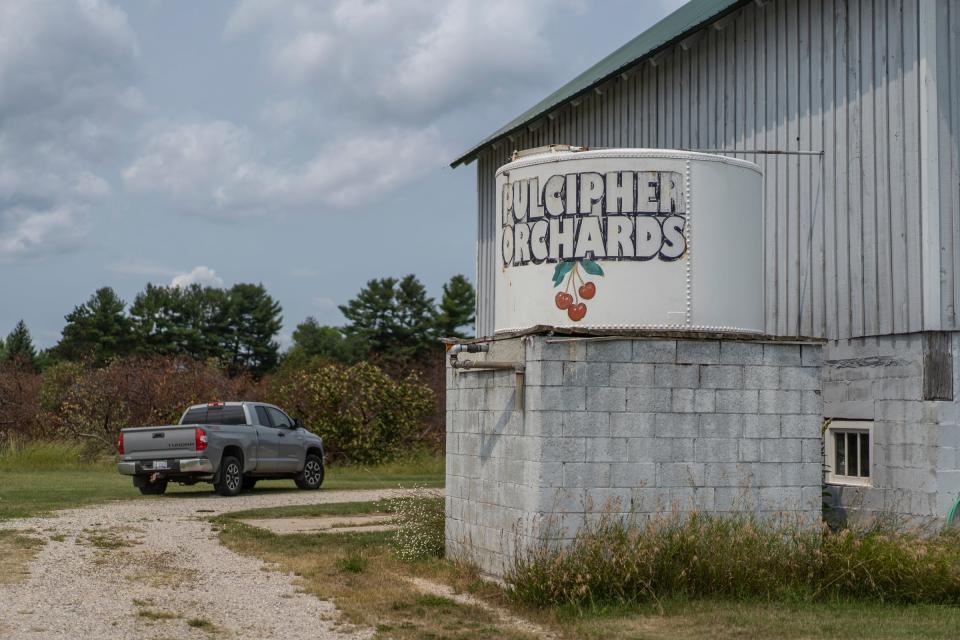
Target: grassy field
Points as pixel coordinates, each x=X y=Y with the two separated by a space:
x=362 y=574
x=40 y=478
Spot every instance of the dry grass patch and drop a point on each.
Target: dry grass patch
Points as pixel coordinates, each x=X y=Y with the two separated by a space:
x=362 y=574
x=109 y=539
x=16 y=551
x=155 y=569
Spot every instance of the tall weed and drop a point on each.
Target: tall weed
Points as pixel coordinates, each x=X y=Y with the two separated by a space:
x=420 y=525
x=50 y=455
x=618 y=560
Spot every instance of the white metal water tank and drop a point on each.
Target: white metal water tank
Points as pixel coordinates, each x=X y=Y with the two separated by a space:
x=629 y=239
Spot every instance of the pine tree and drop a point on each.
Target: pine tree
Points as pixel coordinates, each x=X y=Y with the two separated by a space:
x=458 y=308
x=252 y=322
x=393 y=319
x=180 y=321
x=18 y=347
x=97 y=330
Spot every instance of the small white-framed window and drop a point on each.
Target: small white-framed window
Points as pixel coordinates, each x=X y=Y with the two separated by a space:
x=848 y=449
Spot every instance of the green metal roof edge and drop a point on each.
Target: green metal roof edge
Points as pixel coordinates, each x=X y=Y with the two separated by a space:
x=688 y=18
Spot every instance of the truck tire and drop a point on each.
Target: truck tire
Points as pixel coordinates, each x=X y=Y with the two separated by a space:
x=230 y=482
x=156 y=488
x=249 y=483
x=312 y=475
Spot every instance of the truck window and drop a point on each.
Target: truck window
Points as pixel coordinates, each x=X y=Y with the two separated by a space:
x=215 y=415
x=197 y=415
x=232 y=415
x=279 y=418
x=262 y=418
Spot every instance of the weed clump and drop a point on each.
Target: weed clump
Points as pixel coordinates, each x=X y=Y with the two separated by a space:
x=619 y=560
x=420 y=525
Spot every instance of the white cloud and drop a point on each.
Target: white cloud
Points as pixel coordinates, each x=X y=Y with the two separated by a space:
x=215 y=168
x=66 y=102
x=204 y=276
x=28 y=231
x=401 y=60
x=365 y=84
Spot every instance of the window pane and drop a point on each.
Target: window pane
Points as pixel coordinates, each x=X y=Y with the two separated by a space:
x=195 y=416
x=851 y=454
x=262 y=417
x=840 y=464
x=280 y=419
x=233 y=415
x=864 y=455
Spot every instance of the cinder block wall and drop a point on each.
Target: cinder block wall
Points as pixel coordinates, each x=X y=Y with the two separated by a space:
x=645 y=426
x=916 y=441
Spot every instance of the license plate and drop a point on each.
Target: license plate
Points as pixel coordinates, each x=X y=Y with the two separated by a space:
x=159 y=464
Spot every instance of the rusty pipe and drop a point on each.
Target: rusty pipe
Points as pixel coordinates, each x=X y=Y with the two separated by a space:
x=486 y=364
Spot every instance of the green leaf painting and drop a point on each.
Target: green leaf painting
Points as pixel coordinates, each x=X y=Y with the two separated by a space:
x=591 y=267
x=561 y=270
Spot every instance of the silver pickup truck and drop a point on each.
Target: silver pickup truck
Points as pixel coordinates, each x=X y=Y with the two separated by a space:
x=231 y=444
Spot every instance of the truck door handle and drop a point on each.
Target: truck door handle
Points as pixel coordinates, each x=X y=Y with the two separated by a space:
x=282 y=434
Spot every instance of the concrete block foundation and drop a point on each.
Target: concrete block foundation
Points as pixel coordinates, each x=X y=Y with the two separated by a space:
x=907 y=386
x=640 y=425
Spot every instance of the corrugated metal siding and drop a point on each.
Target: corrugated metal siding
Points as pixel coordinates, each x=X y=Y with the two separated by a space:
x=948 y=101
x=842 y=232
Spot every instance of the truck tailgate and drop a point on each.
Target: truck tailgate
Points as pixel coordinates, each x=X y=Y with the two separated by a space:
x=171 y=441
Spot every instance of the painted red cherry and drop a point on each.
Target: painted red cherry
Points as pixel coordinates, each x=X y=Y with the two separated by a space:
x=588 y=290
x=564 y=300
x=577 y=311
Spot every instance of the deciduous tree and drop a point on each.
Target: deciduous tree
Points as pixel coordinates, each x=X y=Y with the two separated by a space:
x=312 y=340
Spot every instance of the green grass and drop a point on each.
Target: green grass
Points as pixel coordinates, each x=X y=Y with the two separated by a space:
x=372 y=591
x=42 y=477
x=305 y=511
x=364 y=576
x=758 y=620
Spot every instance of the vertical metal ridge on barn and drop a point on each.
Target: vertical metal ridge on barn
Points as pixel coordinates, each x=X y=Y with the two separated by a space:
x=844 y=231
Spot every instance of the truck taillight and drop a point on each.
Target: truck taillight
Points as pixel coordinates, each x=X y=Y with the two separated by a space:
x=200 y=439
x=120 y=444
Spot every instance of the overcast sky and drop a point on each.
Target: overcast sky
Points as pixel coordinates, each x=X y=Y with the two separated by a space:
x=301 y=144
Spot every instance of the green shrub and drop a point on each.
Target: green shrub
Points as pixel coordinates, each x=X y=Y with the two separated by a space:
x=362 y=414
x=614 y=560
x=420 y=520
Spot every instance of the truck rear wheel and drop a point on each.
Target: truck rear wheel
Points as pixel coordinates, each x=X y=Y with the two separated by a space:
x=312 y=475
x=155 y=488
x=230 y=482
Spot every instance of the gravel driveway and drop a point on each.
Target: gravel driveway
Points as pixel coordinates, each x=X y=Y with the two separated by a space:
x=145 y=568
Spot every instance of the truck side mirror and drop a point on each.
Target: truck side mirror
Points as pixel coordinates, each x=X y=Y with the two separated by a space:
x=297 y=423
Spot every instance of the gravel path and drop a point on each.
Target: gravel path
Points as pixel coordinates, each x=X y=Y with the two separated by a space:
x=145 y=568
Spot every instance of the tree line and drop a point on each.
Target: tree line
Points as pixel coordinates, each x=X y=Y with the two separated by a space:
x=390 y=320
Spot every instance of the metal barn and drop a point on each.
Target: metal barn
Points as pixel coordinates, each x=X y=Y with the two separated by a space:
x=851 y=108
